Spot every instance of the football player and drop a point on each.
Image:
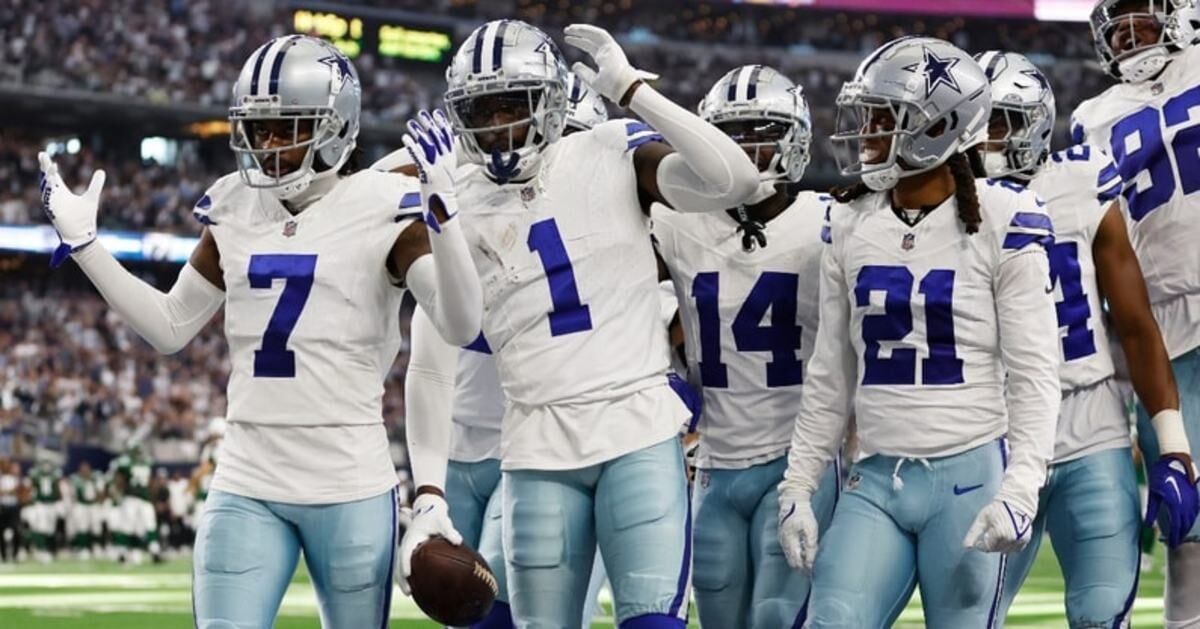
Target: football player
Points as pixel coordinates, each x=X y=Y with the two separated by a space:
x=308 y=255
x=730 y=269
x=83 y=518
x=1090 y=503
x=41 y=514
x=589 y=446
x=1148 y=123
x=938 y=331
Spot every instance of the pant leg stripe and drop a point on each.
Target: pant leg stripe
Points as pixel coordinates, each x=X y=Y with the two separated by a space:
x=999 y=593
x=681 y=591
x=1119 y=621
x=387 y=587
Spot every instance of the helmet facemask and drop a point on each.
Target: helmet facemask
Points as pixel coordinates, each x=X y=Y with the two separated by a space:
x=273 y=167
x=1018 y=139
x=1136 y=38
x=778 y=146
x=505 y=130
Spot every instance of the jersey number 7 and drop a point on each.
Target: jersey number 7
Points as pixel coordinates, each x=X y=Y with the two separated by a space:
x=275 y=360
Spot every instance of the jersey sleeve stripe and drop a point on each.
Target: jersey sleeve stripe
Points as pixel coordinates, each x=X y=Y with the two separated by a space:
x=410 y=199
x=1029 y=228
x=1032 y=220
x=1108 y=174
x=1107 y=195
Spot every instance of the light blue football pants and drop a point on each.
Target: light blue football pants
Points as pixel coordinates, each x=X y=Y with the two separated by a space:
x=899 y=523
x=1187 y=378
x=473 y=494
x=634 y=507
x=1090 y=508
x=741 y=576
x=247 y=550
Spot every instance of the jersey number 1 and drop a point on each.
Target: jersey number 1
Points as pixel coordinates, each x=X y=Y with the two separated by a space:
x=568 y=314
x=275 y=360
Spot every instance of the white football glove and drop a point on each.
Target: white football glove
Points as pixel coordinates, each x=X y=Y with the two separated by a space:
x=73 y=215
x=430 y=517
x=1000 y=527
x=614 y=74
x=798 y=529
x=430 y=143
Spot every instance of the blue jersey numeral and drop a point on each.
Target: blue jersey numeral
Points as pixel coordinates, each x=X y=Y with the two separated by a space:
x=943 y=366
x=274 y=359
x=1137 y=147
x=568 y=315
x=773 y=291
x=1074 y=311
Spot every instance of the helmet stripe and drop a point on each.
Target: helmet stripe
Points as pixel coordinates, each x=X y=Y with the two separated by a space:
x=258 y=62
x=477 y=52
x=277 y=65
x=752 y=83
x=261 y=73
x=990 y=70
x=498 y=44
x=734 y=78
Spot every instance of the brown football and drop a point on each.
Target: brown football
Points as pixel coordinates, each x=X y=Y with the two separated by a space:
x=453 y=585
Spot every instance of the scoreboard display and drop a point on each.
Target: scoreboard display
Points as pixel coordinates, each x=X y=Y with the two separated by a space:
x=355 y=34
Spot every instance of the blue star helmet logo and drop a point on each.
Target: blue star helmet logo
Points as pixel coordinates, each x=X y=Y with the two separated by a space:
x=342 y=64
x=937 y=73
x=1037 y=75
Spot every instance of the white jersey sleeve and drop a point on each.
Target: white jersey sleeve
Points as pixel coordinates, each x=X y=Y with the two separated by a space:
x=750 y=320
x=831 y=382
x=1150 y=130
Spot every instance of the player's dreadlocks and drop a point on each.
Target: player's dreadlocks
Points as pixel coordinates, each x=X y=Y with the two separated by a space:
x=964 y=167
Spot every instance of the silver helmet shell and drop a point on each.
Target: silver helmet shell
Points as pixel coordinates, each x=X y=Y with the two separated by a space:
x=757 y=93
x=508 y=57
x=1178 y=22
x=938 y=99
x=1022 y=94
x=585 y=108
x=305 y=81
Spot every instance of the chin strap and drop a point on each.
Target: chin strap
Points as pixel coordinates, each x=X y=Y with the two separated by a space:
x=751 y=230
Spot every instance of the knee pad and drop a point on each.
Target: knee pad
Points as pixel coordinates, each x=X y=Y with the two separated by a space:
x=354 y=568
x=499 y=618
x=830 y=613
x=1183 y=581
x=713 y=570
x=775 y=613
x=653 y=621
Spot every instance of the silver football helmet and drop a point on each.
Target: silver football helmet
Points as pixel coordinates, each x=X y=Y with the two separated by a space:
x=1023 y=107
x=304 y=92
x=507 y=78
x=585 y=108
x=912 y=104
x=1171 y=25
x=761 y=109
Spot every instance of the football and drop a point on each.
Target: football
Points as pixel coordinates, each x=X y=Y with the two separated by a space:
x=453 y=585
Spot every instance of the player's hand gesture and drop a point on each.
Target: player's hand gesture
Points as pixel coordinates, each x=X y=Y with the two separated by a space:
x=430 y=142
x=614 y=75
x=1172 y=485
x=430 y=517
x=798 y=531
x=1000 y=527
x=73 y=215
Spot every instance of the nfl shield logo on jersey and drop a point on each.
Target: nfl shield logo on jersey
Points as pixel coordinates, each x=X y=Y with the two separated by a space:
x=289 y=229
x=908 y=243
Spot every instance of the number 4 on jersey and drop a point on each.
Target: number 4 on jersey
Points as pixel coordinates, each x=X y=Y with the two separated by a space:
x=773 y=291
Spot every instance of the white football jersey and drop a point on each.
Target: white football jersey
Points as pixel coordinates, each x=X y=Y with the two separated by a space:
x=923 y=324
x=478 y=405
x=571 y=303
x=312 y=321
x=1078 y=185
x=749 y=320
x=1150 y=129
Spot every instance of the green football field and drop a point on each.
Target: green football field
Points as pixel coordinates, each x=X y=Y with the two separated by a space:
x=75 y=595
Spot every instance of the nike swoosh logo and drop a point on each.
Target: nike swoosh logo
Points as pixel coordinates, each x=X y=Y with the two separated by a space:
x=958 y=491
x=1175 y=485
x=424 y=510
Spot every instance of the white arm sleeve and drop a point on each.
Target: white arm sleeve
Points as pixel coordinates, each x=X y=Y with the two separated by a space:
x=429 y=401
x=167 y=321
x=1029 y=348
x=829 y=385
x=709 y=171
x=446 y=284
